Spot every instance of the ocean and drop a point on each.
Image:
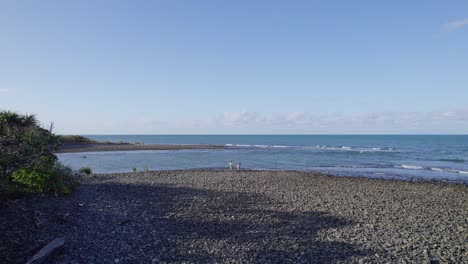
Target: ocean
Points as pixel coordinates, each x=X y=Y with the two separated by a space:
x=408 y=157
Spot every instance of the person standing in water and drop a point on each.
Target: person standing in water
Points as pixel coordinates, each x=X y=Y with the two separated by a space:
x=238 y=166
x=230 y=165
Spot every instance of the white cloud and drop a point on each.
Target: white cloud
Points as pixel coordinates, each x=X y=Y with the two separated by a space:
x=453 y=121
x=247 y=122
x=458 y=115
x=448 y=114
x=455 y=25
x=239 y=118
x=296 y=116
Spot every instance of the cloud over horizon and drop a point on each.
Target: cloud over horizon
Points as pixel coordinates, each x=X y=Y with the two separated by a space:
x=455 y=25
x=379 y=122
x=453 y=121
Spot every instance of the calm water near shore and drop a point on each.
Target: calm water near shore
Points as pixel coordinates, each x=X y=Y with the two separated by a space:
x=441 y=157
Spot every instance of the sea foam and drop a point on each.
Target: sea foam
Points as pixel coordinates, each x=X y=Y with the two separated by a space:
x=412 y=167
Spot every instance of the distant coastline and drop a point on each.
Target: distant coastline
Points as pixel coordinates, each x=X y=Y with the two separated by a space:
x=73 y=144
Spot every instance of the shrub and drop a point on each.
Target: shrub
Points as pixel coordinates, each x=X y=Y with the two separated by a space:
x=27 y=163
x=134 y=169
x=58 y=179
x=32 y=180
x=23 y=142
x=85 y=170
x=63 y=179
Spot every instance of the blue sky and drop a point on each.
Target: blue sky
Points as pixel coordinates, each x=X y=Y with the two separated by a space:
x=237 y=67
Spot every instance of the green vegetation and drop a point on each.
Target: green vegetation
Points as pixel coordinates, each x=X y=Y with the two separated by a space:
x=27 y=164
x=85 y=170
x=80 y=140
x=75 y=139
x=134 y=169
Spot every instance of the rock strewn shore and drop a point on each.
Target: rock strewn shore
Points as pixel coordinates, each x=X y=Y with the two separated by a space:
x=68 y=148
x=204 y=216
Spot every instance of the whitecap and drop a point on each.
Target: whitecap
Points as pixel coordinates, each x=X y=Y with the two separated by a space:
x=412 y=167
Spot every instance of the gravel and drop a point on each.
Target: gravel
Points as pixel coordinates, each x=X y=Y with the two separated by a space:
x=207 y=216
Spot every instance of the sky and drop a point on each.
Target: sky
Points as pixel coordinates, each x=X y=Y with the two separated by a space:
x=237 y=67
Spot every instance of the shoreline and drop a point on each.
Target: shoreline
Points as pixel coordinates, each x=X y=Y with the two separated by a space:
x=207 y=216
x=102 y=147
x=412 y=179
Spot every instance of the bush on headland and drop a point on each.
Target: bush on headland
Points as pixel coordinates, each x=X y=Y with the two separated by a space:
x=75 y=139
x=81 y=140
x=27 y=164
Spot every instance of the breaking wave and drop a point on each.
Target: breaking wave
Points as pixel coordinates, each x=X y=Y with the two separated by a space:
x=412 y=167
x=317 y=147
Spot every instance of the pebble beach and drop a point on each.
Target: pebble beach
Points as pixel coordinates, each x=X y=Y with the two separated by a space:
x=219 y=216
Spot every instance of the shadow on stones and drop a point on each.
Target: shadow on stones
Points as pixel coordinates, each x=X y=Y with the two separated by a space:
x=144 y=224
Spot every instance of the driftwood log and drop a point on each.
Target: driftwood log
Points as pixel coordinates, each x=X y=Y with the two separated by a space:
x=46 y=251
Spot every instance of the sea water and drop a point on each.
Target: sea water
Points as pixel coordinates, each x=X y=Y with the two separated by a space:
x=409 y=157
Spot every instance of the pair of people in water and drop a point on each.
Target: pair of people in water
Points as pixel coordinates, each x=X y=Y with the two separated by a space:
x=237 y=166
